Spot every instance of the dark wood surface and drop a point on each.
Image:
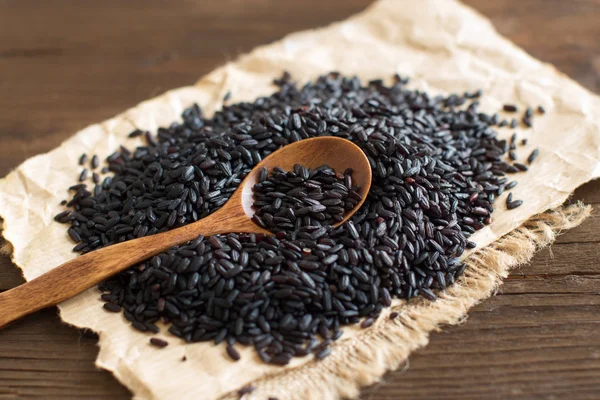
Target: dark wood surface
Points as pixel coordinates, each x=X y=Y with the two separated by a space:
x=64 y=65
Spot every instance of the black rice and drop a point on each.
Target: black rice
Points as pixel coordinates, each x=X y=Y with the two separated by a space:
x=532 y=156
x=437 y=170
x=528 y=112
x=112 y=307
x=514 y=204
x=136 y=133
x=367 y=322
x=158 y=342
x=323 y=353
x=521 y=167
x=83 y=175
x=510 y=185
x=83 y=159
x=233 y=353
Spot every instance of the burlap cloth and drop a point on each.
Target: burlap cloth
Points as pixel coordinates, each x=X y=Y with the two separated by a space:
x=444 y=47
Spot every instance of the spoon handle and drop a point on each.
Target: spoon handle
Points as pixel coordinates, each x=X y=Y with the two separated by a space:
x=83 y=272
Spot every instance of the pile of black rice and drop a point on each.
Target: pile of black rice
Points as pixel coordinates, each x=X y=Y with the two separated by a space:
x=437 y=169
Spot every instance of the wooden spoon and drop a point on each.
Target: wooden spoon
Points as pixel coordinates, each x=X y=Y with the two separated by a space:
x=83 y=272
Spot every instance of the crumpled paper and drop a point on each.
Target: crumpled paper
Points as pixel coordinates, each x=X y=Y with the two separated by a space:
x=441 y=44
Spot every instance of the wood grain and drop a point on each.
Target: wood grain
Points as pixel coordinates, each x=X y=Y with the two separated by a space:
x=66 y=64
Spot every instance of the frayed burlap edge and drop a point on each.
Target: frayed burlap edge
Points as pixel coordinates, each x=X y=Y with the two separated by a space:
x=363 y=359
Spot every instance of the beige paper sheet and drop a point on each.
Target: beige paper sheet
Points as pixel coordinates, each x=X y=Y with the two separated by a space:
x=441 y=44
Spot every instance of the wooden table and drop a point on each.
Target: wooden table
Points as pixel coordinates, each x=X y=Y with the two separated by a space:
x=64 y=65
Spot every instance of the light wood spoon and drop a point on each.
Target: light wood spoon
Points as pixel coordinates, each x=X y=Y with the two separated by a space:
x=83 y=272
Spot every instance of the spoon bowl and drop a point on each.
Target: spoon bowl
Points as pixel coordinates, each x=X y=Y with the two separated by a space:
x=338 y=153
x=83 y=272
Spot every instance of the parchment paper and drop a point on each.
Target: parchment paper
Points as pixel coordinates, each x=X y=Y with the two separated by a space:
x=444 y=47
